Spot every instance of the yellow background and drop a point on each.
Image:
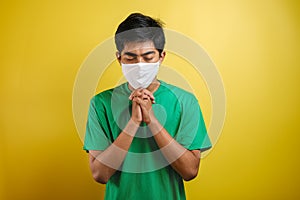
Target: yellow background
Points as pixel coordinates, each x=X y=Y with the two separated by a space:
x=255 y=45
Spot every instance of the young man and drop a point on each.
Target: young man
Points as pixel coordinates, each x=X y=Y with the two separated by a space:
x=144 y=137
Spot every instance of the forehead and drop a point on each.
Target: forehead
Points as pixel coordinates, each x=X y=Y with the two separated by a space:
x=138 y=47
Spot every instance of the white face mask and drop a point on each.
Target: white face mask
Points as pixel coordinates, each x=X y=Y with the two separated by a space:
x=140 y=75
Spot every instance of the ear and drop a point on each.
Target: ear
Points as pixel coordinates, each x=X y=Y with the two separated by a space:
x=162 y=56
x=118 y=55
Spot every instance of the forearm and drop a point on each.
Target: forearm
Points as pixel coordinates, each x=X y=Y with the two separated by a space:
x=104 y=164
x=185 y=162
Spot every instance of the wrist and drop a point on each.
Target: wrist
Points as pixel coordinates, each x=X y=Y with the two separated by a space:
x=150 y=118
x=131 y=127
x=155 y=127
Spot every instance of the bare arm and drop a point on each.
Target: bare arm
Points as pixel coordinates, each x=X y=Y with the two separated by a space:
x=184 y=161
x=104 y=164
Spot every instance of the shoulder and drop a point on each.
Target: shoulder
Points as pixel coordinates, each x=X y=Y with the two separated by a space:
x=102 y=96
x=106 y=95
x=182 y=95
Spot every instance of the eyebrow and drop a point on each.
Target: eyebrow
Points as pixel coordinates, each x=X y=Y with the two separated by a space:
x=135 y=55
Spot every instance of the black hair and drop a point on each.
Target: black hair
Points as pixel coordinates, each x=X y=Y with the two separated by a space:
x=140 y=28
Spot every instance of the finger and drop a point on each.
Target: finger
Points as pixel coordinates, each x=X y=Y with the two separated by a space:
x=142 y=101
x=134 y=100
x=131 y=95
x=146 y=97
x=135 y=93
x=140 y=93
x=138 y=100
x=147 y=92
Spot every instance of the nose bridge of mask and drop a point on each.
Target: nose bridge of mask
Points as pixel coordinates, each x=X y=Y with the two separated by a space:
x=144 y=67
x=143 y=70
x=139 y=69
x=140 y=75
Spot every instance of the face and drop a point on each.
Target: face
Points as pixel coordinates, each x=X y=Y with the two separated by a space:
x=135 y=52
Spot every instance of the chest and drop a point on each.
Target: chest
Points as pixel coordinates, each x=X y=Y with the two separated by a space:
x=166 y=110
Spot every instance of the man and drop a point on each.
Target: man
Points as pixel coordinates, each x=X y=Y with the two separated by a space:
x=144 y=137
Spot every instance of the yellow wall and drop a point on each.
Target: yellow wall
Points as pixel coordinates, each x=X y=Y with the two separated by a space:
x=254 y=44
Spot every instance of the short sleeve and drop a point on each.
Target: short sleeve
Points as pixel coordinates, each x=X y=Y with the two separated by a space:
x=192 y=133
x=95 y=137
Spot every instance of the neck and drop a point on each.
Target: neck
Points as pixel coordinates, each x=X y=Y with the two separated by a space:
x=153 y=86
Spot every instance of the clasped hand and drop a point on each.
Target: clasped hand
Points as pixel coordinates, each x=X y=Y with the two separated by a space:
x=142 y=100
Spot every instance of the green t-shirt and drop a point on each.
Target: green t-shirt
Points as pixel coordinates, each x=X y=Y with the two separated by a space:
x=145 y=173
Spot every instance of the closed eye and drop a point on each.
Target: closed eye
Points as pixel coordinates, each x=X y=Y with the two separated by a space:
x=130 y=59
x=148 y=59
